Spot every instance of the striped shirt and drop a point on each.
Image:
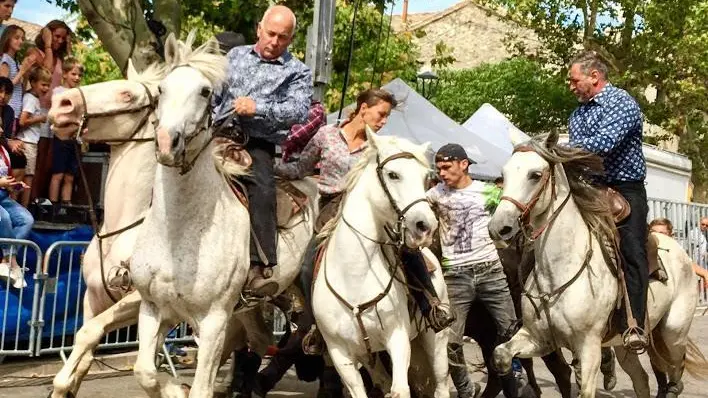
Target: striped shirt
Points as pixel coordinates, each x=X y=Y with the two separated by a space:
x=16 y=99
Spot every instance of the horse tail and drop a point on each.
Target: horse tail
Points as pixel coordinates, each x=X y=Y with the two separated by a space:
x=695 y=362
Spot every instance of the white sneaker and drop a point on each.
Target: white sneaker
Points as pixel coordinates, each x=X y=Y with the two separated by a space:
x=4 y=271
x=17 y=276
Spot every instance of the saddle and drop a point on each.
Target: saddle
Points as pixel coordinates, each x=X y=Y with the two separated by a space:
x=290 y=201
x=618 y=205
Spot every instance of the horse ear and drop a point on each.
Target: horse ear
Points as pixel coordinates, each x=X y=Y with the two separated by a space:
x=130 y=72
x=425 y=147
x=515 y=136
x=371 y=137
x=172 y=50
x=552 y=140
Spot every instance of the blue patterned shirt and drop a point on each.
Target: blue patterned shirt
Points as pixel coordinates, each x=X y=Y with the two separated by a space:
x=281 y=88
x=610 y=125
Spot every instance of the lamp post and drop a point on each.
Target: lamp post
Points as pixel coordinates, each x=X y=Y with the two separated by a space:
x=427 y=83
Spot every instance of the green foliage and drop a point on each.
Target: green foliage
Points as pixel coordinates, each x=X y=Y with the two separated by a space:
x=98 y=64
x=535 y=99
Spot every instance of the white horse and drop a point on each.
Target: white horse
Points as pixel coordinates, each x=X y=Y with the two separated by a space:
x=572 y=292
x=359 y=299
x=113 y=112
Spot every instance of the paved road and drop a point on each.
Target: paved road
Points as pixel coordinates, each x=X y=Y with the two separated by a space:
x=125 y=386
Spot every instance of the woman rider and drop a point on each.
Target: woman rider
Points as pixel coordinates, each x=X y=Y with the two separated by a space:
x=336 y=149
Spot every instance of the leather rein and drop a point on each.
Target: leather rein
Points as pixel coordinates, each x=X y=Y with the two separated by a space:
x=149 y=109
x=397 y=235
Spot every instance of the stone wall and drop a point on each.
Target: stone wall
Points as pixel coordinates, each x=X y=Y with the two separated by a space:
x=475 y=34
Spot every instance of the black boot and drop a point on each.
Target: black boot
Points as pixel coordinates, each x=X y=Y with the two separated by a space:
x=421 y=288
x=509 y=386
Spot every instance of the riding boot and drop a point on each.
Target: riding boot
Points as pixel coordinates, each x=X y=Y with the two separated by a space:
x=244 y=373
x=421 y=288
x=260 y=185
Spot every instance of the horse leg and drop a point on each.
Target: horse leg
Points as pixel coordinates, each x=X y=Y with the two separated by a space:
x=588 y=353
x=561 y=372
x=123 y=313
x=436 y=348
x=629 y=362
x=662 y=380
x=150 y=329
x=348 y=371
x=212 y=332
x=399 y=348
x=522 y=345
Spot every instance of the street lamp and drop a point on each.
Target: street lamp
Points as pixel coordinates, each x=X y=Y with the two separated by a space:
x=429 y=79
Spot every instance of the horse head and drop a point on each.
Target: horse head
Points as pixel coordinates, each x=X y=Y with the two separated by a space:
x=113 y=111
x=529 y=189
x=399 y=196
x=184 y=111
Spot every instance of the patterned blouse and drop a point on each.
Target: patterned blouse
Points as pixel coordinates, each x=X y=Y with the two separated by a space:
x=328 y=147
x=610 y=125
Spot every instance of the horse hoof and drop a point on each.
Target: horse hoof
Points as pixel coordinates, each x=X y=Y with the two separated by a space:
x=502 y=360
x=610 y=382
x=674 y=390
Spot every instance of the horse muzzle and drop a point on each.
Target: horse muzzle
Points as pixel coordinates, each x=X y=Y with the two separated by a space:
x=170 y=147
x=504 y=225
x=419 y=233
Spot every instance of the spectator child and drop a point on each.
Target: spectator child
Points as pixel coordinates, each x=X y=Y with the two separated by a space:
x=64 y=161
x=6 y=8
x=15 y=222
x=6 y=112
x=10 y=43
x=32 y=121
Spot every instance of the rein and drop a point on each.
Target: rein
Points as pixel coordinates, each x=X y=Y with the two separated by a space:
x=397 y=235
x=150 y=107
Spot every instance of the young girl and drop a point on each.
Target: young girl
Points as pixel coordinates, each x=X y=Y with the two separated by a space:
x=32 y=121
x=64 y=161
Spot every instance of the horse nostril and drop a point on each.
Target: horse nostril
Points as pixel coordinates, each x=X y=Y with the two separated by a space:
x=505 y=230
x=65 y=103
x=175 y=142
x=422 y=226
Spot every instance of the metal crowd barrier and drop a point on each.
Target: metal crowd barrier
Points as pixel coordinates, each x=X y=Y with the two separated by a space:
x=685 y=217
x=17 y=335
x=37 y=321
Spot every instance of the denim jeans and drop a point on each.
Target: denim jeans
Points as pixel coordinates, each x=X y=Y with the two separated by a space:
x=485 y=282
x=15 y=221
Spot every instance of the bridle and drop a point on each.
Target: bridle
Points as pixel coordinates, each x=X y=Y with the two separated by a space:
x=396 y=232
x=203 y=125
x=547 y=178
x=149 y=109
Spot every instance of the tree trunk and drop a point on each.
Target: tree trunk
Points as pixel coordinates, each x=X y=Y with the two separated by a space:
x=169 y=12
x=122 y=29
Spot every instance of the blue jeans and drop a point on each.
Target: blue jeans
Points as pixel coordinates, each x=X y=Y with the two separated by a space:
x=487 y=283
x=15 y=221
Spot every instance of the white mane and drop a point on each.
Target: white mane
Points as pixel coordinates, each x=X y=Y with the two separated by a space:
x=207 y=58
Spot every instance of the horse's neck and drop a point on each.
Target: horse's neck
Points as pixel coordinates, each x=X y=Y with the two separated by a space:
x=561 y=249
x=177 y=196
x=128 y=188
x=357 y=233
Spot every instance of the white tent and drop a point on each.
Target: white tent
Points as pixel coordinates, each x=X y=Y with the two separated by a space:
x=420 y=121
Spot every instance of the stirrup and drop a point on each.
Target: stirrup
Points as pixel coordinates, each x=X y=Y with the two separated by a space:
x=639 y=346
x=438 y=309
x=313 y=343
x=122 y=279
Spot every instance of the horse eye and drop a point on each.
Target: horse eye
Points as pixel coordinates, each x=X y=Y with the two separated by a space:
x=393 y=176
x=535 y=176
x=206 y=92
x=159 y=89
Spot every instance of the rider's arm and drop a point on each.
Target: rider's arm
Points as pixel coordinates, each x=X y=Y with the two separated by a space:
x=307 y=162
x=609 y=132
x=291 y=108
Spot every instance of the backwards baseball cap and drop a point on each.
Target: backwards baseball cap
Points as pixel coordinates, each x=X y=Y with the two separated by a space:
x=450 y=152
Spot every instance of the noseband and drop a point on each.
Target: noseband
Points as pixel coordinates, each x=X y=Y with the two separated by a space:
x=150 y=107
x=548 y=177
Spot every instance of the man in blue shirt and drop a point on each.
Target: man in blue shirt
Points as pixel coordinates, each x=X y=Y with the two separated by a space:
x=269 y=90
x=609 y=123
